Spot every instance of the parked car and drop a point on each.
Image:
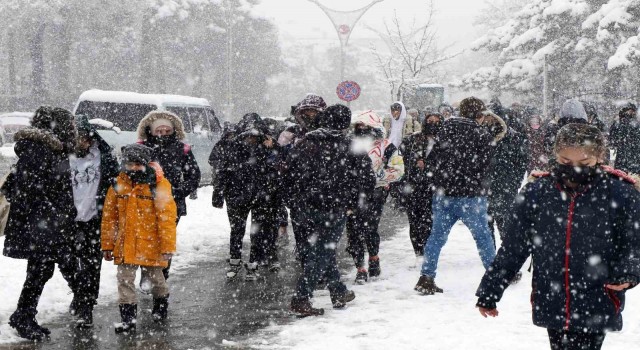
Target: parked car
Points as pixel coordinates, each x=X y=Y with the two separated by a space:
x=122 y=111
x=11 y=123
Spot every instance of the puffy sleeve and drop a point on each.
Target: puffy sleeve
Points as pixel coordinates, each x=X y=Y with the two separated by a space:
x=109 y=225
x=166 y=214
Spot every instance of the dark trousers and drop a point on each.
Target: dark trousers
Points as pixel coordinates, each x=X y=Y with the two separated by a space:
x=301 y=232
x=420 y=218
x=264 y=232
x=326 y=230
x=362 y=227
x=38 y=273
x=165 y=271
x=88 y=261
x=566 y=340
x=238 y=215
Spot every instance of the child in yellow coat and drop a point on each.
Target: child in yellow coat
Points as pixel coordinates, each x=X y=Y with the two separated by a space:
x=139 y=230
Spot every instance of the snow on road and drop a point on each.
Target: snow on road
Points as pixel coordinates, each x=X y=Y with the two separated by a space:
x=388 y=314
x=203 y=231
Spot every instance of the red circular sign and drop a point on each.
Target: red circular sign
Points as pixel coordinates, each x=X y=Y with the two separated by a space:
x=344 y=29
x=348 y=91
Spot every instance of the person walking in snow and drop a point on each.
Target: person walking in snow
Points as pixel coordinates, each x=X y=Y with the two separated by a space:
x=388 y=167
x=572 y=111
x=419 y=160
x=40 y=227
x=322 y=182
x=465 y=146
x=93 y=170
x=138 y=230
x=400 y=124
x=308 y=115
x=625 y=139
x=535 y=137
x=164 y=132
x=579 y=224
x=248 y=177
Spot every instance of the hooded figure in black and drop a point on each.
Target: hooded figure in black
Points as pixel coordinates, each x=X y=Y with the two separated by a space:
x=506 y=174
x=249 y=181
x=419 y=162
x=40 y=227
x=164 y=133
x=324 y=181
x=93 y=170
x=624 y=137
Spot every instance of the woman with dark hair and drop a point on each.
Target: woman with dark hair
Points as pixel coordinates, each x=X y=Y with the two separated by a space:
x=419 y=161
x=579 y=224
x=40 y=227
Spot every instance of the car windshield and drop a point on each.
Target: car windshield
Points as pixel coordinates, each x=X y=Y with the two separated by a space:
x=125 y=116
x=183 y=113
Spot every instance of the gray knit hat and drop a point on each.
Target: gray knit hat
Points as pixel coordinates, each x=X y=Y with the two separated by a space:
x=136 y=153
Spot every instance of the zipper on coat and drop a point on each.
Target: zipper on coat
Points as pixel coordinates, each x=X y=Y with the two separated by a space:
x=567 y=252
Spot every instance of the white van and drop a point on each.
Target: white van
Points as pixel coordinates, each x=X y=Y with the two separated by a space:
x=125 y=110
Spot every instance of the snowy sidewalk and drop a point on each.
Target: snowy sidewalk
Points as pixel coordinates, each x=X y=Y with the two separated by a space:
x=388 y=314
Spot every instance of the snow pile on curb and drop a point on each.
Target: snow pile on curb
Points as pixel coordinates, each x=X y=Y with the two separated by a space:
x=199 y=234
x=389 y=314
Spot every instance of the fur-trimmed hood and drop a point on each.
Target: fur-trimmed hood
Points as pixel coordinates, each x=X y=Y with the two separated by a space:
x=144 y=127
x=41 y=136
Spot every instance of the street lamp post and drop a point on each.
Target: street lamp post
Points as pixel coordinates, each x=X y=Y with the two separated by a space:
x=343 y=22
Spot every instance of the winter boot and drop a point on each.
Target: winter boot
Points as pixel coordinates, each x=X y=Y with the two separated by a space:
x=128 y=313
x=362 y=276
x=302 y=307
x=339 y=301
x=27 y=327
x=85 y=317
x=427 y=286
x=235 y=265
x=160 y=308
x=252 y=272
x=374 y=266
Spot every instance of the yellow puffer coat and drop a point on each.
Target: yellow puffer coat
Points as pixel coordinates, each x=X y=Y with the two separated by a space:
x=137 y=226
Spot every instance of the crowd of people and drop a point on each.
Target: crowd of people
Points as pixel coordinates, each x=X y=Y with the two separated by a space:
x=327 y=172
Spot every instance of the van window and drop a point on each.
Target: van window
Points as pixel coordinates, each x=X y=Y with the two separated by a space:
x=126 y=116
x=183 y=113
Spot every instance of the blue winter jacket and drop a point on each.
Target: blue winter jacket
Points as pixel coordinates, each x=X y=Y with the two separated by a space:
x=579 y=241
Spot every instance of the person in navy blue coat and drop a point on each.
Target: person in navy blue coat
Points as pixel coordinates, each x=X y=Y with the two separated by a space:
x=580 y=225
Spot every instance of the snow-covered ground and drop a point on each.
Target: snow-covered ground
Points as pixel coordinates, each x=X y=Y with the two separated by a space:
x=202 y=230
x=388 y=314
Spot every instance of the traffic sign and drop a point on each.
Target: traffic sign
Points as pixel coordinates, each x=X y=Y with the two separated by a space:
x=348 y=91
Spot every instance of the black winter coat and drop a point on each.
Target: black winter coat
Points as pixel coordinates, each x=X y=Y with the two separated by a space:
x=508 y=168
x=322 y=174
x=625 y=138
x=464 y=149
x=248 y=172
x=109 y=170
x=579 y=241
x=42 y=213
x=414 y=148
x=179 y=166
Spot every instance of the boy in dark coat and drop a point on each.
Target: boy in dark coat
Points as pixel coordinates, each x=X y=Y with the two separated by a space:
x=164 y=133
x=322 y=182
x=579 y=224
x=40 y=227
x=93 y=170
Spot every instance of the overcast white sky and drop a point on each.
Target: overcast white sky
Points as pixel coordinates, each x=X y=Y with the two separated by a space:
x=303 y=20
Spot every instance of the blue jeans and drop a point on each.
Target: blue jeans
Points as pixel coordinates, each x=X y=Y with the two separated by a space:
x=446 y=211
x=326 y=228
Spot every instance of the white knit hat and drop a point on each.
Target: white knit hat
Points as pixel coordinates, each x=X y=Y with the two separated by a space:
x=160 y=122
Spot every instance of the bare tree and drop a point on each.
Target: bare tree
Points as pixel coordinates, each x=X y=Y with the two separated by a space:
x=413 y=53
